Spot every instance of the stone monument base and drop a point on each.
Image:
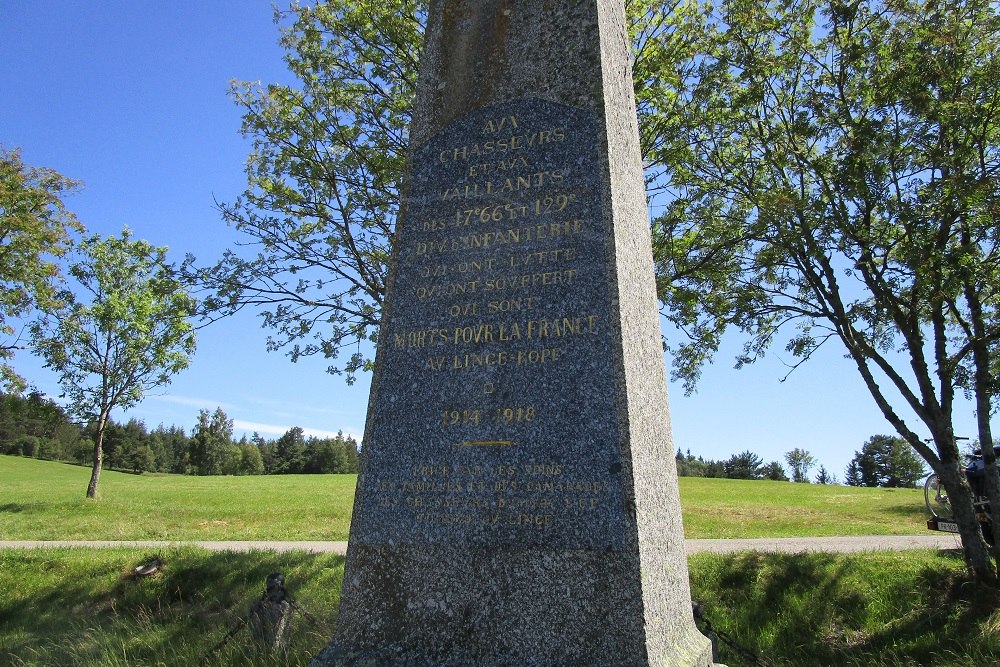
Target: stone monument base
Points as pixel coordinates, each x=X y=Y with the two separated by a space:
x=455 y=607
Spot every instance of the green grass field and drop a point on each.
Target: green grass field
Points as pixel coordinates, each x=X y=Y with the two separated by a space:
x=42 y=500
x=84 y=607
x=81 y=607
x=733 y=508
x=871 y=609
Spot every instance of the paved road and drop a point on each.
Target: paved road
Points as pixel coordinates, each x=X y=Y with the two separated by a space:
x=778 y=545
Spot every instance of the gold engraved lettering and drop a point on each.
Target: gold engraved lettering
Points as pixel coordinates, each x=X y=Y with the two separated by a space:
x=428 y=470
x=493 y=126
x=473 y=415
x=568 y=228
x=552 y=203
x=469 y=360
x=511 y=305
x=463 y=309
x=479 y=360
x=542 y=356
x=507 y=165
x=539 y=179
x=427 y=248
x=515 y=235
x=543 y=257
x=456 y=518
x=480 y=333
x=530 y=280
x=515 y=415
x=503 y=144
x=548 y=205
x=472 y=266
x=487 y=168
x=434 y=271
x=418 y=338
x=547 y=469
x=447 y=290
x=533 y=520
x=492 y=332
x=461 y=417
x=580 y=504
x=532 y=495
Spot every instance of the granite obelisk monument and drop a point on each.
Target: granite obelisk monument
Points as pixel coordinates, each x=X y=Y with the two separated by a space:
x=517 y=503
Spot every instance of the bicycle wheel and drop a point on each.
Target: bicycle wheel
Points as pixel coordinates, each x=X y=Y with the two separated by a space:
x=936 y=497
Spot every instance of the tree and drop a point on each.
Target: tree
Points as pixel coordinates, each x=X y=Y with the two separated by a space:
x=853 y=475
x=266 y=450
x=251 y=462
x=351 y=452
x=774 y=471
x=833 y=175
x=125 y=447
x=325 y=455
x=885 y=461
x=171 y=446
x=27 y=445
x=323 y=179
x=745 y=465
x=33 y=415
x=823 y=477
x=211 y=444
x=125 y=332
x=35 y=231
x=290 y=452
x=318 y=215
x=689 y=466
x=137 y=454
x=800 y=461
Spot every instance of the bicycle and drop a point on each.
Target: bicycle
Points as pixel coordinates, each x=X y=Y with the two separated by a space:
x=936 y=498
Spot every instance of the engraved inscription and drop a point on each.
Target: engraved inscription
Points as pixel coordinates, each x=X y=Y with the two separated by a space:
x=499 y=309
x=532 y=494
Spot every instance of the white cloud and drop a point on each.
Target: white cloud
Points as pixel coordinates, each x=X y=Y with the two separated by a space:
x=191 y=401
x=279 y=429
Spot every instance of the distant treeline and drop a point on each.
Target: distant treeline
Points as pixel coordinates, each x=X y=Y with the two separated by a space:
x=883 y=460
x=745 y=465
x=35 y=426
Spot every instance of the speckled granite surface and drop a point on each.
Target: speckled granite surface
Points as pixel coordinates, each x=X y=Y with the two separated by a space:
x=518 y=501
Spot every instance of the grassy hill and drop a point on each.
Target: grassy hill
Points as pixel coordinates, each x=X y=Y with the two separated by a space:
x=42 y=500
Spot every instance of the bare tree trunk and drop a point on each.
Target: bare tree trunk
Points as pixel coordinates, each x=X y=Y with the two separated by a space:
x=991 y=481
x=974 y=547
x=95 y=475
x=984 y=395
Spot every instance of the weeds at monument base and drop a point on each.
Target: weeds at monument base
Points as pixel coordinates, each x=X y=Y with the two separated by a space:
x=79 y=607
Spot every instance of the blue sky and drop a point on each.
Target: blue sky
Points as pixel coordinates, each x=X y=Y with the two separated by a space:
x=131 y=98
